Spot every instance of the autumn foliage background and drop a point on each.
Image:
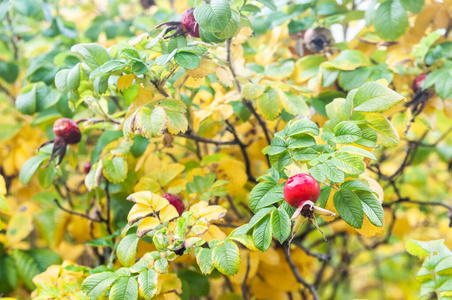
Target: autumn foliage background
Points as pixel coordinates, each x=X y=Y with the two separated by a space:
x=195 y=117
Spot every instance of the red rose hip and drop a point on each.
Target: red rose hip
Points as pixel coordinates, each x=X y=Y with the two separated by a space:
x=418 y=83
x=175 y=201
x=68 y=130
x=301 y=188
x=189 y=22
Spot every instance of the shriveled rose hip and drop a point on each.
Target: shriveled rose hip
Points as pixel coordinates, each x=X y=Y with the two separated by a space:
x=175 y=201
x=68 y=130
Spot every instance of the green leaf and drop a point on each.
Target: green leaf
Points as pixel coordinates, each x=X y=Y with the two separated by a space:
x=151 y=123
x=415 y=6
x=28 y=7
x=147 y=282
x=95 y=286
x=274 y=195
x=30 y=167
x=115 y=170
x=347 y=60
x=302 y=126
x=214 y=16
x=8 y=274
x=262 y=233
x=442 y=79
x=26 y=267
x=338 y=111
x=26 y=102
x=332 y=172
x=47 y=175
x=126 y=250
x=423 y=249
x=277 y=146
x=347 y=132
x=204 y=260
x=107 y=68
x=161 y=265
x=318 y=173
x=251 y=91
x=350 y=80
x=348 y=163
x=187 y=60
x=269 y=3
x=226 y=258
x=259 y=216
x=280 y=224
x=259 y=191
x=124 y=288
x=8 y=70
x=372 y=207
x=300 y=141
x=391 y=20
x=177 y=122
x=357 y=150
x=304 y=154
x=387 y=134
x=269 y=105
x=295 y=105
x=93 y=54
x=375 y=97
x=349 y=206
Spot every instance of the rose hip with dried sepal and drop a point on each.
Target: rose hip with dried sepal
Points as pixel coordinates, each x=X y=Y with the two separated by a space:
x=67 y=133
x=188 y=25
x=302 y=191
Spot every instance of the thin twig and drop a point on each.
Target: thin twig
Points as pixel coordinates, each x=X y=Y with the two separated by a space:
x=76 y=213
x=243 y=149
x=108 y=200
x=297 y=275
x=190 y=135
x=247 y=272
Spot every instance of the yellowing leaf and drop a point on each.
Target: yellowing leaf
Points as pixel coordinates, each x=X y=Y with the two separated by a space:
x=448 y=107
x=234 y=172
x=125 y=81
x=206 y=212
x=155 y=201
x=168 y=213
x=2 y=186
x=169 y=172
x=224 y=76
x=146 y=225
x=205 y=68
x=169 y=282
x=368 y=229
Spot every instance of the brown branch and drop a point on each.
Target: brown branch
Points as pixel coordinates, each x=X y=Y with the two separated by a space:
x=96 y=121
x=297 y=275
x=250 y=106
x=231 y=65
x=108 y=203
x=234 y=207
x=247 y=272
x=76 y=213
x=159 y=88
x=190 y=135
x=243 y=149
x=408 y=200
x=319 y=256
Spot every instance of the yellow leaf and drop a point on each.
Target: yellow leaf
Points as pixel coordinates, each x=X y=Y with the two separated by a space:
x=205 y=68
x=224 y=76
x=155 y=201
x=146 y=225
x=253 y=266
x=200 y=227
x=138 y=212
x=193 y=82
x=206 y=212
x=169 y=172
x=213 y=233
x=21 y=224
x=448 y=107
x=368 y=229
x=125 y=81
x=168 y=283
x=233 y=171
x=168 y=213
x=2 y=186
